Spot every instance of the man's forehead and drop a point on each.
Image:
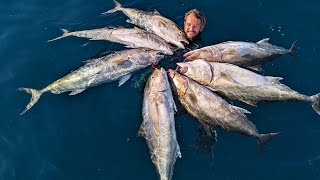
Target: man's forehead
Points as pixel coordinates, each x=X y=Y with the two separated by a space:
x=193 y=18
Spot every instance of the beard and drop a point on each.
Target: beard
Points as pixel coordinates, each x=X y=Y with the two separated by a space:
x=192 y=36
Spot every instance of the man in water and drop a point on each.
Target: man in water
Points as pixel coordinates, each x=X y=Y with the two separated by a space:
x=194 y=22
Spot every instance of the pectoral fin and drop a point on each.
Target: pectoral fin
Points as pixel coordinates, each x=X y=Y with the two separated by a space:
x=256 y=68
x=142 y=131
x=249 y=102
x=77 y=91
x=226 y=77
x=129 y=21
x=241 y=110
x=120 y=62
x=124 y=79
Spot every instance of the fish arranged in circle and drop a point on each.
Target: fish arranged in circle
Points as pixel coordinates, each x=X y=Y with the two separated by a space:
x=211 y=71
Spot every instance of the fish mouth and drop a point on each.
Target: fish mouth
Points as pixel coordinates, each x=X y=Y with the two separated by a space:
x=181 y=68
x=182 y=44
x=171 y=73
x=158 y=54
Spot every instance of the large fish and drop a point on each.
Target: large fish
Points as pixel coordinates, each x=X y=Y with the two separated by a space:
x=210 y=109
x=158 y=126
x=241 y=84
x=131 y=37
x=154 y=23
x=245 y=54
x=117 y=66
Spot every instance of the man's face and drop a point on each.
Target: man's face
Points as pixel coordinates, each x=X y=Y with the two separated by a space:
x=192 y=26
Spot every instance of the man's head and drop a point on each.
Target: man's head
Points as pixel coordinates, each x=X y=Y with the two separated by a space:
x=194 y=22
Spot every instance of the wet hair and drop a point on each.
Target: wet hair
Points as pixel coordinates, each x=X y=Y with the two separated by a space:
x=197 y=14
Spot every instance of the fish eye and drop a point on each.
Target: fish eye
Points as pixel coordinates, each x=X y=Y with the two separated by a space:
x=180 y=32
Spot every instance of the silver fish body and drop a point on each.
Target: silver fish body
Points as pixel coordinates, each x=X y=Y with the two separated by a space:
x=210 y=109
x=158 y=126
x=131 y=37
x=105 y=69
x=238 y=83
x=154 y=23
x=245 y=54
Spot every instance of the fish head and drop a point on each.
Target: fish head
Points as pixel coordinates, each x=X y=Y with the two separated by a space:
x=147 y=56
x=158 y=80
x=198 y=70
x=177 y=36
x=180 y=83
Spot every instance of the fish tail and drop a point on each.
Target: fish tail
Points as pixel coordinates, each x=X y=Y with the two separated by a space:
x=315 y=103
x=117 y=8
x=35 y=97
x=65 y=34
x=264 y=138
x=292 y=50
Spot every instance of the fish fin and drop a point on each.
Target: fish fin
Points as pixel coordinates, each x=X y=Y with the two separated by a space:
x=263 y=41
x=139 y=30
x=129 y=21
x=142 y=131
x=77 y=91
x=130 y=46
x=228 y=78
x=175 y=109
x=34 y=99
x=161 y=23
x=119 y=62
x=178 y=154
x=315 y=103
x=293 y=49
x=124 y=79
x=252 y=103
x=207 y=127
x=89 y=61
x=241 y=110
x=264 y=138
x=117 y=7
x=256 y=68
x=211 y=89
x=65 y=34
x=274 y=79
x=156 y=12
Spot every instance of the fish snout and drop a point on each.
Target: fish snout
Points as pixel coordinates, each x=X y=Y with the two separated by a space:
x=184 y=43
x=181 y=69
x=157 y=54
x=171 y=73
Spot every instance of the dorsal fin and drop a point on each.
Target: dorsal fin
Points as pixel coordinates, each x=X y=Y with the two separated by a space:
x=274 y=79
x=156 y=12
x=263 y=41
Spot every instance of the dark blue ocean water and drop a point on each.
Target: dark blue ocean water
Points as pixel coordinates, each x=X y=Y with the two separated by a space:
x=93 y=135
